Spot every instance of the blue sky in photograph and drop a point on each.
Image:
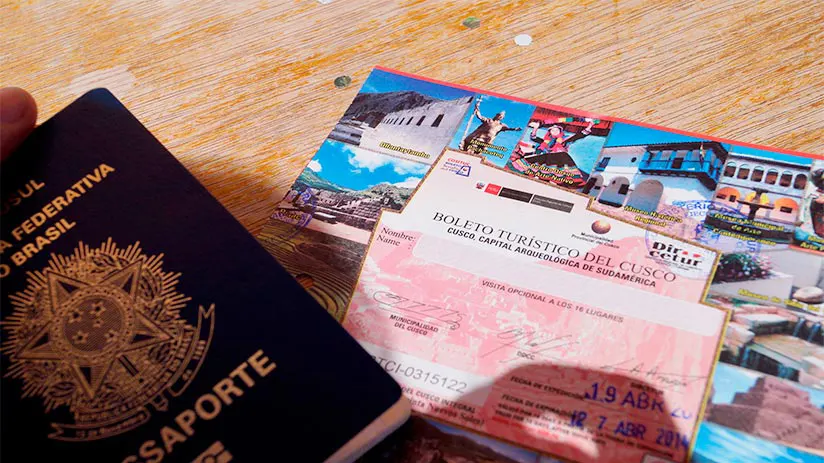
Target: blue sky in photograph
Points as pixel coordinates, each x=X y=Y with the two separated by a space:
x=357 y=169
x=382 y=82
x=584 y=151
x=720 y=444
x=730 y=379
x=769 y=154
x=517 y=115
x=630 y=134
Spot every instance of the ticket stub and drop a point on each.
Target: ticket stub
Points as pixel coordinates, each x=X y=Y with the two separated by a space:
x=570 y=362
x=470 y=202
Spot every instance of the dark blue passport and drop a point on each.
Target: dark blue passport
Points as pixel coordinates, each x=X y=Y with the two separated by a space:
x=142 y=323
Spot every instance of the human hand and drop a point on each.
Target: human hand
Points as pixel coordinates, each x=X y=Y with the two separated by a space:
x=18 y=114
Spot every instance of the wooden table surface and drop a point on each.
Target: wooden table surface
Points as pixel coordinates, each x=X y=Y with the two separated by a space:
x=242 y=91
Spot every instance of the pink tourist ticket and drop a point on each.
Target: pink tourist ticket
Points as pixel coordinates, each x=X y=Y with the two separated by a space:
x=503 y=306
x=473 y=203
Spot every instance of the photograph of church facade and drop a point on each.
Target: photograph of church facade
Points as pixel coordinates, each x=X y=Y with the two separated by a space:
x=648 y=176
x=765 y=194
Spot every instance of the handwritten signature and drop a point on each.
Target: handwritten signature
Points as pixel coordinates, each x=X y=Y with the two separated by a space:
x=654 y=374
x=530 y=344
x=393 y=302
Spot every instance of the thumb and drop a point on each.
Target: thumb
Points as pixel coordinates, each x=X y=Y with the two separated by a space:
x=18 y=114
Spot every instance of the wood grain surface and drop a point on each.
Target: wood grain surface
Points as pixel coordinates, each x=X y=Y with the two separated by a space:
x=242 y=92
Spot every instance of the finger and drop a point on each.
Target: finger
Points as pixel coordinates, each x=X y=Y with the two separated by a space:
x=18 y=114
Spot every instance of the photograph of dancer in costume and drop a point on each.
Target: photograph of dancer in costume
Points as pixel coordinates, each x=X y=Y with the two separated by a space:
x=553 y=147
x=817 y=201
x=485 y=133
x=809 y=232
x=547 y=157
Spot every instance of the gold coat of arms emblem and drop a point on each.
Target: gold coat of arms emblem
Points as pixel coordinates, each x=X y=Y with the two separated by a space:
x=101 y=334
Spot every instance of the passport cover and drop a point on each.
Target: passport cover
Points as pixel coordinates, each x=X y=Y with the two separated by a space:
x=142 y=323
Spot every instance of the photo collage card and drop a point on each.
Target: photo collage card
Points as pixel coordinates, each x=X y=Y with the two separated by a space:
x=763 y=209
